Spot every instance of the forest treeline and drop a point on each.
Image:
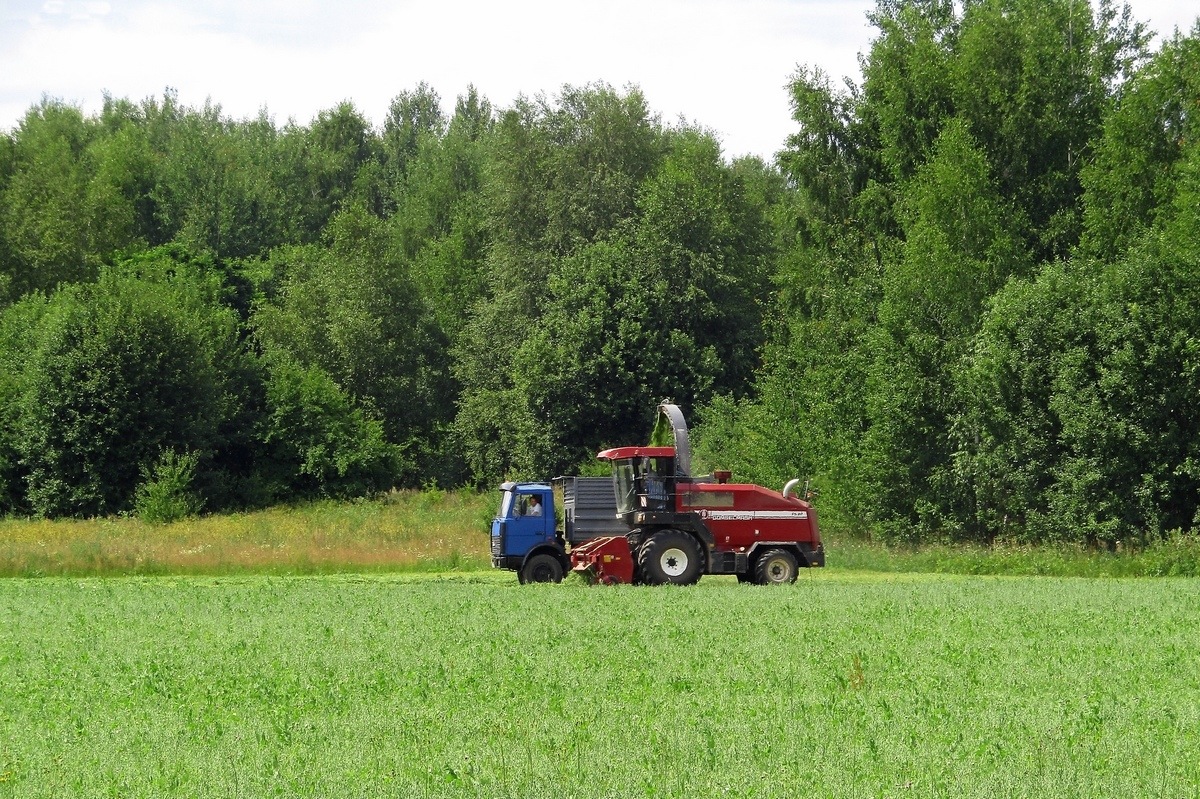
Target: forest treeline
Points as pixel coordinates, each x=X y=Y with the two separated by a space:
x=964 y=299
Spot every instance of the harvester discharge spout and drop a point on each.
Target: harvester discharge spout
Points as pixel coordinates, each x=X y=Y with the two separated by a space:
x=671 y=430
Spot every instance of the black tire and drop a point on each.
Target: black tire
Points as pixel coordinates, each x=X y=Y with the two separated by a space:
x=541 y=568
x=775 y=567
x=636 y=541
x=670 y=557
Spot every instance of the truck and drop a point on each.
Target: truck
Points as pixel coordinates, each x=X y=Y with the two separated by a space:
x=680 y=527
x=527 y=537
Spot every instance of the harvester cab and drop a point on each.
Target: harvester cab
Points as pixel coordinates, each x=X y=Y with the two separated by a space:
x=643 y=477
x=646 y=479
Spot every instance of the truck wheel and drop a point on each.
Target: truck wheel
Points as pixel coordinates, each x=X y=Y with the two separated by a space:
x=775 y=567
x=541 y=568
x=670 y=557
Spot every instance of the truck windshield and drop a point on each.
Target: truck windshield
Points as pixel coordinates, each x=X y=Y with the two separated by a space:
x=506 y=502
x=624 y=474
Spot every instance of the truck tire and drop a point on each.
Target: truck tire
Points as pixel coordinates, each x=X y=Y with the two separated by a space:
x=775 y=567
x=542 y=568
x=670 y=557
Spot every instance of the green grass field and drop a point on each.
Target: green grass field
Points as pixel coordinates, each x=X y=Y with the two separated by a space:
x=846 y=684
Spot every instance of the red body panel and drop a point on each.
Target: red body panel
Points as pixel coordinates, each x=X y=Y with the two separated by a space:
x=606 y=560
x=741 y=515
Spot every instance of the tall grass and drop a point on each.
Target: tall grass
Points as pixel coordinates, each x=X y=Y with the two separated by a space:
x=439 y=531
x=1177 y=556
x=405 y=531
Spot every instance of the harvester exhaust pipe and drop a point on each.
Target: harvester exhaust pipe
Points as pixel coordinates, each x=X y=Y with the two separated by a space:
x=789 y=487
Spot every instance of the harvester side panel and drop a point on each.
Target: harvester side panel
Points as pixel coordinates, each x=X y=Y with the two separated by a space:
x=740 y=515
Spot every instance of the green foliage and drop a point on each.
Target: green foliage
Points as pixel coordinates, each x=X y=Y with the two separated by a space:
x=45 y=198
x=806 y=417
x=339 y=149
x=706 y=247
x=215 y=192
x=1031 y=80
x=317 y=443
x=1008 y=423
x=351 y=309
x=959 y=302
x=440 y=216
x=955 y=168
x=959 y=249
x=1134 y=175
x=824 y=156
x=1083 y=419
x=414 y=118
x=907 y=93
x=166 y=493
x=114 y=374
x=19 y=324
x=637 y=272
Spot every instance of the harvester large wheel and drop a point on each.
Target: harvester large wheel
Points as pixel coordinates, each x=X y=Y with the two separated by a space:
x=543 y=568
x=670 y=557
x=775 y=567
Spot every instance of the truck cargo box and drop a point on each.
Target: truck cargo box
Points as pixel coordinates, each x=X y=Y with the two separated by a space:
x=589 y=508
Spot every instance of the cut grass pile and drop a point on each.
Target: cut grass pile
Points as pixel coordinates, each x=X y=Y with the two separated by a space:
x=843 y=685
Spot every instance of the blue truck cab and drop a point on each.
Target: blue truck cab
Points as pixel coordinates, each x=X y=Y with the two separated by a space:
x=524 y=538
x=538 y=522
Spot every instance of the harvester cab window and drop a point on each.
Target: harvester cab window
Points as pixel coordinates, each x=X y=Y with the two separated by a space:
x=643 y=483
x=623 y=474
x=658 y=470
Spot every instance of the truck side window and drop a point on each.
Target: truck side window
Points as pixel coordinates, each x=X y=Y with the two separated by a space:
x=527 y=505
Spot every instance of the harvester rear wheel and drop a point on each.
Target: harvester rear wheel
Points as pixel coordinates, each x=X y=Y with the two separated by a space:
x=541 y=568
x=775 y=567
x=670 y=557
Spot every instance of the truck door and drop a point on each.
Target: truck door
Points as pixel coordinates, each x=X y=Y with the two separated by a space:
x=527 y=522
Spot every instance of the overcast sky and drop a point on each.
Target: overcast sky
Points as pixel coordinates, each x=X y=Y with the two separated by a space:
x=722 y=64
